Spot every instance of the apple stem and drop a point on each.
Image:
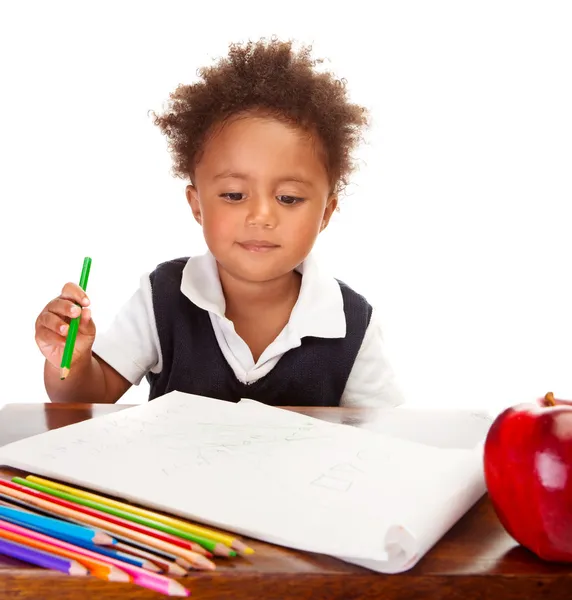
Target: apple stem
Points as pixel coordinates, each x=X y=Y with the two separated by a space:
x=549 y=399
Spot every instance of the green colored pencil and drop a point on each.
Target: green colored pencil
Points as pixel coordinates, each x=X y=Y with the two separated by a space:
x=74 y=324
x=209 y=544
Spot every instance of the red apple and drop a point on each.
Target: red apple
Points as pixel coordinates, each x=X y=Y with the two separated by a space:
x=528 y=473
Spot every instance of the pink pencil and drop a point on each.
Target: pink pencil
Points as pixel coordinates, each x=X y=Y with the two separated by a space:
x=146 y=579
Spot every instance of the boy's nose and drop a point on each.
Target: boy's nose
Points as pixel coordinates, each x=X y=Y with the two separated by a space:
x=262 y=213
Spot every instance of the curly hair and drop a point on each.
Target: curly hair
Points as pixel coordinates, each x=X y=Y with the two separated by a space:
x=266 y=76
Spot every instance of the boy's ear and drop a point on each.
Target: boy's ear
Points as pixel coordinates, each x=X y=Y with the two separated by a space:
x=193 y=200
x=331 y=206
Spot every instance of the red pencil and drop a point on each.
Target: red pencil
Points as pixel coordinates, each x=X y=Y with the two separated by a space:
x=160 y=535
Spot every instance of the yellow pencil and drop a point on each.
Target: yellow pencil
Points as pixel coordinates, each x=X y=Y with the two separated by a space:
x=223 y=538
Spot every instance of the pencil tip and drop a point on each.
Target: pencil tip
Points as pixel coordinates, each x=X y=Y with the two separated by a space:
x=77 y=569
x=176 y=589
x=147 y=564
x=103 y=539
x=241 y=548
x=183 y=563
x=177 y=570
x=223 y=550
x=202 y=562
x=64 y=373
x=116 y=574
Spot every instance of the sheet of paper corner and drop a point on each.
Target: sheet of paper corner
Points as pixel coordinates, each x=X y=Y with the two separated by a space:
x=275 y=476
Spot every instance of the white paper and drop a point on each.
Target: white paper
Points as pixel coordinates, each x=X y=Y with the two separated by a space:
x=372 y=498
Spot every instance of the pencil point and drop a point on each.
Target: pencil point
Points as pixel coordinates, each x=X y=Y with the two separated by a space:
x=176 y=570
x=204 y=563
x=64 y=373
x=199 y=549
x=103 y=539
x=176 y=589
x=222 y=550
x=241 y=548
x=77 y=569
x=147 y=564
x=183 y=563
x=116 y=574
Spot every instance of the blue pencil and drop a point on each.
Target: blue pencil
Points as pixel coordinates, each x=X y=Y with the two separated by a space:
x=68 y=532
x=41 y=558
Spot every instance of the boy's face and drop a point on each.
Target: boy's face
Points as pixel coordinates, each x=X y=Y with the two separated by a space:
x=261 y=195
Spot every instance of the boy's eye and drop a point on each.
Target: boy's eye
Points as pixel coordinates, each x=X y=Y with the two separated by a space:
x=289 y=200
x=232 y=196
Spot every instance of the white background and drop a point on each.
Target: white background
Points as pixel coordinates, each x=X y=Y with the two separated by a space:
x=457 y=227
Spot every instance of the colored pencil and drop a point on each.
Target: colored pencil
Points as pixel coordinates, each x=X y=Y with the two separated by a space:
x=54 y=527
x=29 y=521
x=153 y=581
x=41 y=558
x=99 y=568
x=11 y=501
x=165 y=554
x=103 y=550
x=170 y=566
x=166 y=537
x=39 y=499
x=131 y=558
x=74 y=324
x=151 y=525
x=204 y=532
x=215 y=547
x=112 y=552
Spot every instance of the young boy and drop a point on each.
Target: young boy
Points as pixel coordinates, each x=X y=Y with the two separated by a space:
x=265 y=142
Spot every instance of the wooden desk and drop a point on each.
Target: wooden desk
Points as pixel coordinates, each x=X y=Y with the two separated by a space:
x=475 y=560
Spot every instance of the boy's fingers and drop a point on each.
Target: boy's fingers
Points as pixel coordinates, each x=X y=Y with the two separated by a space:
x=52 y=322
x=72 y=291
x=47 y=337
x=86 y=325
x=64 y=308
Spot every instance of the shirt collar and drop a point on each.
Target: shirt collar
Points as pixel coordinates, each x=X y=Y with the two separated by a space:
x=318 y=312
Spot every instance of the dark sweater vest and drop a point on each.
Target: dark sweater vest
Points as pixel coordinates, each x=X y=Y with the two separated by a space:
x=313 y=374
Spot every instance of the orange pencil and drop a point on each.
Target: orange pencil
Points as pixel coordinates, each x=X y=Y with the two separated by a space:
x=98 y=568
x=22 y=493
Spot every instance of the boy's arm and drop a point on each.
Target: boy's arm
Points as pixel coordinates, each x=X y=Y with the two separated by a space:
x=90 y=381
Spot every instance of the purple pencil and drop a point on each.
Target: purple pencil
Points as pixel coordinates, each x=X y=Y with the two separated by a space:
x=41 y=558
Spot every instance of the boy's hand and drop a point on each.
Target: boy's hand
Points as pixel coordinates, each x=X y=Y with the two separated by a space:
x=53 y=322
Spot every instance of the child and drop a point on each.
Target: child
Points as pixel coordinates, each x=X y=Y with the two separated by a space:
x=265 y=141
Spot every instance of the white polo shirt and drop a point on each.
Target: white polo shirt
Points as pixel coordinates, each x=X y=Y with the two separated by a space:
x=131 y=344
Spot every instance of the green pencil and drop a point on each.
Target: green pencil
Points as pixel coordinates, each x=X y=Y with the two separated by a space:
x=74 y=324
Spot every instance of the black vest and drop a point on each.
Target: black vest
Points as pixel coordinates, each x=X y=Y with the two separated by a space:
x=314 y=374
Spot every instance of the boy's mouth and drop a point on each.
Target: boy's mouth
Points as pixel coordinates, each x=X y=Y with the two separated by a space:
x=258 y=245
